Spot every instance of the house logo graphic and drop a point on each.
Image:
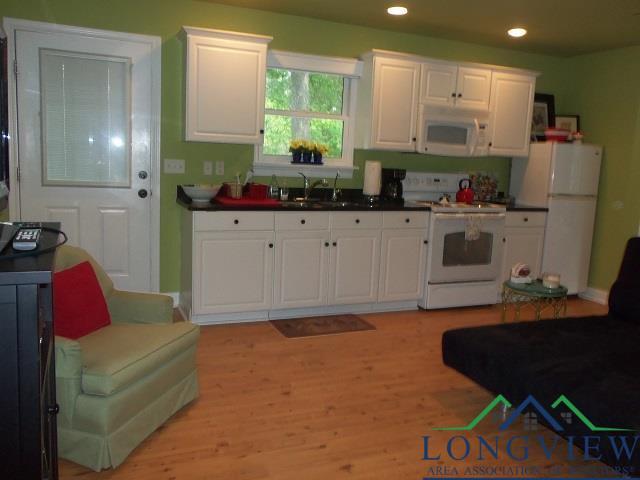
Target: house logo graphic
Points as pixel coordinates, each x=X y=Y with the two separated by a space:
x=531 y=417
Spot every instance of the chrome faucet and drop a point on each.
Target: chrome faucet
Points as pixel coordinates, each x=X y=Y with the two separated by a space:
x=336 y=191
x=308 y=186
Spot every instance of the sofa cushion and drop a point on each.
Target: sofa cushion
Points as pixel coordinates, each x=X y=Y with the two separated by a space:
x=119 y=355
x=78 y=303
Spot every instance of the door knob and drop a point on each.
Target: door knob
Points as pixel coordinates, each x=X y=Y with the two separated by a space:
x=142 y=175
x=142 y=193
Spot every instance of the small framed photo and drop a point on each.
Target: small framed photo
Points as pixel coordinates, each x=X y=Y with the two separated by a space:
x=568 y=122
x=544 y=115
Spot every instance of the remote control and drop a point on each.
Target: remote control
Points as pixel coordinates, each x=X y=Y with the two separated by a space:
x=26 y=239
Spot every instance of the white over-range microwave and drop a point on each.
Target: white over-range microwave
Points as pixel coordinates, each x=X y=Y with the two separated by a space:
x=447 y=131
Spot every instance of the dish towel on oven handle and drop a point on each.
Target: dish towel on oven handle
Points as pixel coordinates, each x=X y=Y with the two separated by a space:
x=472 y=228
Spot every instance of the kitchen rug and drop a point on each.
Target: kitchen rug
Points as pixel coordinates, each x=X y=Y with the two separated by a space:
x=313 y=326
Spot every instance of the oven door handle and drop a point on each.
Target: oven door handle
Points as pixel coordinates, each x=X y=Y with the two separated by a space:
x=458 y=216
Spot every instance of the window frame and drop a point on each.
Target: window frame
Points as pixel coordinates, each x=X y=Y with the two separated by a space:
x=351 y=71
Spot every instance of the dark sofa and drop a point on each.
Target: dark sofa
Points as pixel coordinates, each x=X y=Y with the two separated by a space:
x=593 y=361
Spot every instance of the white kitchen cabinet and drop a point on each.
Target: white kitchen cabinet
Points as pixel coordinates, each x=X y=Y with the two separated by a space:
x=232 y=271
x=301 y=268
x=402 y=264
x=511 y=109
x=524 y=239
x=388 y=104
x=225 y=86
x=450 y=85
x=355 y=263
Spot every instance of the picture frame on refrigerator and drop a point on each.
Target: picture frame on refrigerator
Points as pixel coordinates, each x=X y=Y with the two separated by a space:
x=544 y=115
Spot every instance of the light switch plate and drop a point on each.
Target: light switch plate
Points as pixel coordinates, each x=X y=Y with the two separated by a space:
x=219 y=167
x=173 y=166
x=207 y=167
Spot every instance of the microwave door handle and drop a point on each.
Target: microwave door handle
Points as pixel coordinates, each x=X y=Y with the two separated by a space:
x=476 y=138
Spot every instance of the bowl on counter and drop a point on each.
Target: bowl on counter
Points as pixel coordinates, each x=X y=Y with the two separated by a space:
x=201 y=193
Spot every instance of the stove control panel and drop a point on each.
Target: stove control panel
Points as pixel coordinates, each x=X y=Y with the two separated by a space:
x=432 y=182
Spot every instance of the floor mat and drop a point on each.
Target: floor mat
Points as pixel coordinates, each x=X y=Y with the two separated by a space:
x=312 y=326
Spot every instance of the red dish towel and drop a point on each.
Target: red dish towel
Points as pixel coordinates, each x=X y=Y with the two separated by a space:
x=246 y=202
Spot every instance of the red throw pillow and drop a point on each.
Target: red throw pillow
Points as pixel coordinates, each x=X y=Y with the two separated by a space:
x=79 y=307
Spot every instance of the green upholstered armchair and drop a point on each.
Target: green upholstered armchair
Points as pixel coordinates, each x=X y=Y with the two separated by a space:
x=118 y=384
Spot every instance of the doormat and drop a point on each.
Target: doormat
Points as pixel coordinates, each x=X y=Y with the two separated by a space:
x=312 y=326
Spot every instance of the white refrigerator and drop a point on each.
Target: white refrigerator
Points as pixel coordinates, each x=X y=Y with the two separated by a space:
x=564 y=178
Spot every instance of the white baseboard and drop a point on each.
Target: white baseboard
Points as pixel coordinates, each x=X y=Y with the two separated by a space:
x=175 y=296
x=595 y=295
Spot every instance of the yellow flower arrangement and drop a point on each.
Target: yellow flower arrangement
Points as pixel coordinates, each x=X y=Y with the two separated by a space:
x=299 y=145
x=320 y=148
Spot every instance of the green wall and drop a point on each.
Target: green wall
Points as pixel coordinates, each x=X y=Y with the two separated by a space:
x=165 y=18
x=605 y=93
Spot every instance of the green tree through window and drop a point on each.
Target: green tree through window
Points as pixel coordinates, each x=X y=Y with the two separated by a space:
x=303 y=105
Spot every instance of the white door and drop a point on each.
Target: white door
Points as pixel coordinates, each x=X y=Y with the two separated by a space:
x=402 y=265
x=355 y=263
x=301 y=269
x=567 y=242
x=474 y=88
x=511 y=109
x=438 y=84
x=233 y=272
x=86 y=137
x=576 y=169
x=395 y=104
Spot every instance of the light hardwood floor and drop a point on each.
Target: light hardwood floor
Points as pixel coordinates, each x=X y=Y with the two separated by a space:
x=353 y=405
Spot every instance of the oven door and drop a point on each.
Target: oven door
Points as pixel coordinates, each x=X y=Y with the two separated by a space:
x=465 y=247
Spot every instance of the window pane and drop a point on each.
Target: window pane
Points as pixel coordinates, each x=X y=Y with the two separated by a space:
x=280 y=129
x=85 y=119
x=304 y=91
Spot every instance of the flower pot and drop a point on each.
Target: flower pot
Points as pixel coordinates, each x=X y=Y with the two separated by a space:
x=297 y=157
x=306 y=157
x=317 y=158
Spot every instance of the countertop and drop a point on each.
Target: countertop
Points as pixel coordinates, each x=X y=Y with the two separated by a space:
x=348 y=195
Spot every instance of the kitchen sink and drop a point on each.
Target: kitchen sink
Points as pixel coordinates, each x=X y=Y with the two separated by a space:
x=301 y=203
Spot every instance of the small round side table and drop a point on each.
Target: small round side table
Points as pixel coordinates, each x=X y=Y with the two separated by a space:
x=534 y=294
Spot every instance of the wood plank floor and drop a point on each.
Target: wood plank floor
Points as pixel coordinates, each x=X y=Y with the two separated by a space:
x=353 y=405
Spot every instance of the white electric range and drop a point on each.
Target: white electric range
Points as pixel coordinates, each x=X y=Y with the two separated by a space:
x=464 y=256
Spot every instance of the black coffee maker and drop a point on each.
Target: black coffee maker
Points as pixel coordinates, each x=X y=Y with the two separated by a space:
x=392 y=184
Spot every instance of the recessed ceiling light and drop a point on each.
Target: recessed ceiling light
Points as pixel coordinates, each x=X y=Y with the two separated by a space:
x=517 y=32
x=397 y=10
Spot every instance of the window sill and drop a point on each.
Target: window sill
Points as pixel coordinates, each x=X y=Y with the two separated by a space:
x=265 y=169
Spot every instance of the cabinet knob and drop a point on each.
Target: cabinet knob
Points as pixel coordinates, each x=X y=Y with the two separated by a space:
x=335 y=244
x=490 y=144
x=271 y=245
x=357 y=220
x=426 y=242
x=262 y=131
x=459 y=95
x=504 y=240
x=303 y=221
x=453 y=95
x=407 y=220
x=326 y=244
x=526 y=219
x=414 y=139
x=236 y=221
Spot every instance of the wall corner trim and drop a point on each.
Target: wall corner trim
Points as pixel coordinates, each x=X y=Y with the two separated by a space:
x=595 y=295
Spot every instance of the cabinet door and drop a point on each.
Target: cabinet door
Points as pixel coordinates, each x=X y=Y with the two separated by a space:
x=511 y=109
x=473 y=88
x=395 y=104
x=523 y=245
x=301 y=269
x=438 y=84
x=402 y=265
x=232 y=272
x=225 y=89
x=355 y=263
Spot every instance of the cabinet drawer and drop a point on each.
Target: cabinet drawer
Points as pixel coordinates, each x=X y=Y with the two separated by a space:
x=208 y=221
x=525 y=219
x=405 y=219
x=356 y=220
x=302 y=221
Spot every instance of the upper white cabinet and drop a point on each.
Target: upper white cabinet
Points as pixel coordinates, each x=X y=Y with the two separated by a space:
x=511 y=109
x=225 y=86
x=388 y=103
x=447 y=84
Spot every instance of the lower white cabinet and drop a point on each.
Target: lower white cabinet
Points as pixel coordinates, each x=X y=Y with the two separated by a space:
x=402 y=265
x=232 y=271
x=355 y=263
x=524 y=239
x=301 y=269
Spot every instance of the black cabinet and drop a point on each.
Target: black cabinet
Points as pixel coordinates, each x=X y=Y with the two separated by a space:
x=27 y=374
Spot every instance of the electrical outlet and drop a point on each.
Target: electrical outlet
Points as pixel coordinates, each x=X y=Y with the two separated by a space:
x=207 y=168
x=219 y=167
x=173 y=166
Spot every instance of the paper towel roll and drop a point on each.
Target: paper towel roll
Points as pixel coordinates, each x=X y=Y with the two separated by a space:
x=372 y=178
